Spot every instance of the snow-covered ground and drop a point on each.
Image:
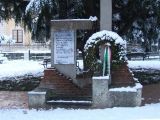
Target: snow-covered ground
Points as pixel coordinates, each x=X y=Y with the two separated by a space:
x=148 y=112
x=35 y=68
x=136 y=64
x=19 y=68
x=22 y=67
x=152 y=64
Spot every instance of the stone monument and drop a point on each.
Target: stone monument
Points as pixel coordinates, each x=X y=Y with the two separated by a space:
x=63 y=51
x=63 y=59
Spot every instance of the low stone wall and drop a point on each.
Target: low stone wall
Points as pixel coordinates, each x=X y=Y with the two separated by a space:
x=103 y=96
x=147 y=76
x=23 y=83
x=125 y=98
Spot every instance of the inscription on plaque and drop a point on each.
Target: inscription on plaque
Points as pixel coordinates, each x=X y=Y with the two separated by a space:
x=64 y=47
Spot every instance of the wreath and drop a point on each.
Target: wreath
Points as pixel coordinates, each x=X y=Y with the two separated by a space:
x=118 y=48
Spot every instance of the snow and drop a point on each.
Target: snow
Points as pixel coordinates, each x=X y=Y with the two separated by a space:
x=101 y=77
x=19 y=68
x=103 y=35
x=3 y=58
x=90 y=19
x=38 y=93
x=127 y=89
x=93 y=18
x=144 y=64
x=138 y=86
x=33 y=4
x=116 y=16
x=148 y=112
x=80 y=64
x=153 y=64
x=69 y=101
x=4 y=39
x=34 y=7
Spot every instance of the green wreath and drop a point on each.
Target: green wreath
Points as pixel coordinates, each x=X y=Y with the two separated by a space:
x=92 y=60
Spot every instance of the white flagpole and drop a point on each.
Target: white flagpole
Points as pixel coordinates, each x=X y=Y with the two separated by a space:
x=109 y=61
x=104 y=63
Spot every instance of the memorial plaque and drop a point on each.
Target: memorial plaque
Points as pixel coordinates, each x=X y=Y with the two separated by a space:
x=64 y=47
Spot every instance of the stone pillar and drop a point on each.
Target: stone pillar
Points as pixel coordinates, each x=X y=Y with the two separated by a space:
x=36 y=99
x=68 y=65
x=106 y=15
x=61 y=29
x=100 y=92
x=27 y=55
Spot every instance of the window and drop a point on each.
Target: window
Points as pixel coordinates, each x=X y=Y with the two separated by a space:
x=17 y=35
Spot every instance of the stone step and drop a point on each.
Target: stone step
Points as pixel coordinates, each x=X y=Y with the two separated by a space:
x=70 y=97
x=70 y=92
x=69 y=104
x=58 y=85
x=52 y=72
x=70 y=101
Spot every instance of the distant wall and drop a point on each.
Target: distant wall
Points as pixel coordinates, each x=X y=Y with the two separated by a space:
x=6 y=28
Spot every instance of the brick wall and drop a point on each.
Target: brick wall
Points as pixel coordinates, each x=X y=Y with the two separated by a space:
x=121 y=76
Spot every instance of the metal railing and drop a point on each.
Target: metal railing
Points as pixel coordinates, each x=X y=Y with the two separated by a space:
x=20 y=47
x=143 y=55
x=26 y=56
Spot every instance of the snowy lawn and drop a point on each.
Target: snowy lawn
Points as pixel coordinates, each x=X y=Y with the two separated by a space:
x=154 y=64
x=23 y=67
x=148 y=112
x=20 y=68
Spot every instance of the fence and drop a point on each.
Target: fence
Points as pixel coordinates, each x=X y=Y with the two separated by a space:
x=143 y=55
x=20 y=47
x=27 y=55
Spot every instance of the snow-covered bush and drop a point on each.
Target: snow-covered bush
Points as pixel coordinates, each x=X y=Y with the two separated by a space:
x=118 y=49
x=3 y=58
x=6 y=39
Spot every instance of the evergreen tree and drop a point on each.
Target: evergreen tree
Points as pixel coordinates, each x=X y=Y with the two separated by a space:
x=132 y=19
x=40 y=12
x=137 y=19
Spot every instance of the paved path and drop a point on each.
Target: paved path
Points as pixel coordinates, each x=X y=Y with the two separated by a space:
x=151 y=94
x=12 y=99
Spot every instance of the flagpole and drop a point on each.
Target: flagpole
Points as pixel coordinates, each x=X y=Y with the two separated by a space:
x=104 y=62
x=107 y=60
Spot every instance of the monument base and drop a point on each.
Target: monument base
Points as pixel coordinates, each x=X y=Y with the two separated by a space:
x=126 y=96
x=103 y=97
